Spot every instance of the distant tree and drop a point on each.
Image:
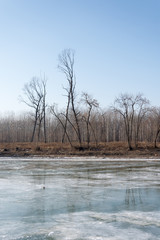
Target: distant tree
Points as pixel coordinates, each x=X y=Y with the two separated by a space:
x=132 y=109
x=35 y=98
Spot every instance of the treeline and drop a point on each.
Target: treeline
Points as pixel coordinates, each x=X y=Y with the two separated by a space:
x=104 y=126
x=130 y=119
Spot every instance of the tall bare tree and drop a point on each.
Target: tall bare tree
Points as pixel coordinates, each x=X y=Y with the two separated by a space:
x=35 y=98
x=66 y=65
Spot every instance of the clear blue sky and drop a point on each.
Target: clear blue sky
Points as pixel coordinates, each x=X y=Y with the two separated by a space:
x=117 y=46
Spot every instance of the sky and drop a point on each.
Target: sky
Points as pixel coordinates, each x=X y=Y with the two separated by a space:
x=116 y=44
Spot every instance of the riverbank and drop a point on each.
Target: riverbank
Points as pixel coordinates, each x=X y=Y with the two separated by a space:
x=111 y=149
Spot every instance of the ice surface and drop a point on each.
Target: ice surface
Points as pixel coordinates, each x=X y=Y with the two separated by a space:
x=79 y=199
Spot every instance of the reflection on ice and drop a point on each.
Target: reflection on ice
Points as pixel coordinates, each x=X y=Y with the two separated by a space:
x=87 y=199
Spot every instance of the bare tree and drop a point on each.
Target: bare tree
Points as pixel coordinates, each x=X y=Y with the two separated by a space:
x=90 y=103
x=141 y=109
x=155 y=111
x=66 y=65
x=35 y=98
x=63 y=124
x=44 y=106
x=133 y=109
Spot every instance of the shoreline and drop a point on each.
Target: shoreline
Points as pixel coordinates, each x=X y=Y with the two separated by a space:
x=111 y=150
x=78 y=159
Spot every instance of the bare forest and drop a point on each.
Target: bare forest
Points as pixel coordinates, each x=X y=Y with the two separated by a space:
x=82 y=122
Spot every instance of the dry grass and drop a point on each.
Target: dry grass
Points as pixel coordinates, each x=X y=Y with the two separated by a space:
x=111 y=149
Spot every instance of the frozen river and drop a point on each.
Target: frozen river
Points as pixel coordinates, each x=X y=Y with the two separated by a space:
x=79 y=199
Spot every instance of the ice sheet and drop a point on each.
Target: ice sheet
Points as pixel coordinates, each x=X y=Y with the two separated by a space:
x=79 y=199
